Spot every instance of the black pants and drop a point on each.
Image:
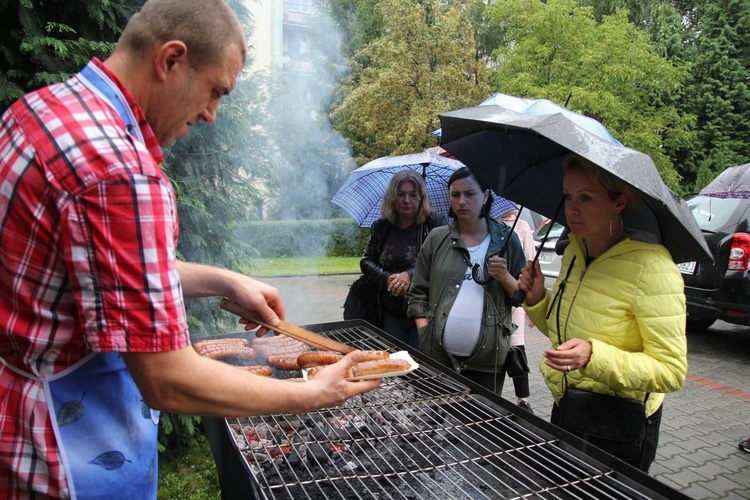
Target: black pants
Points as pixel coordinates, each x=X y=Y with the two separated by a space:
x=651 y=441
x=492 y=381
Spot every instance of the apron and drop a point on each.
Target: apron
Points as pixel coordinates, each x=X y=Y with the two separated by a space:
x=106 y=434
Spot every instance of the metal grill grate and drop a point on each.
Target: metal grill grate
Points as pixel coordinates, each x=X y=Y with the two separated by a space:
x=423 y=435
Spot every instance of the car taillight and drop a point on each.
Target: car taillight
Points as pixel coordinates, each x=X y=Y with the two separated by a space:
x=739 y=255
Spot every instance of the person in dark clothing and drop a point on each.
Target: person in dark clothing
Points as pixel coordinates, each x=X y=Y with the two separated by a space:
x=395 y=241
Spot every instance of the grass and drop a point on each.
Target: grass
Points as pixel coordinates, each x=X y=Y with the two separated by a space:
x=293 y=266
x=191 y=474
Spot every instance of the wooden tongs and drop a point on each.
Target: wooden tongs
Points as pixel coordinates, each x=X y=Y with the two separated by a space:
x=310 y=338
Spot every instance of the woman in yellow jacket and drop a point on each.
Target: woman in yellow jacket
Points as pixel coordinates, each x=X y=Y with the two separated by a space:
x=616 y=315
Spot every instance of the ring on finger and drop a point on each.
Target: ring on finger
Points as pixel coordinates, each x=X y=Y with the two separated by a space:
x=567 y=369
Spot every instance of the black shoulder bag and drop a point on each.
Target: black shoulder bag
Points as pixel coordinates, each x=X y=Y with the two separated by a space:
x=616 y=425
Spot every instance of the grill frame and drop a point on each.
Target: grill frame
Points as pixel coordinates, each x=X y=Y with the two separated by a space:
x=238 y=480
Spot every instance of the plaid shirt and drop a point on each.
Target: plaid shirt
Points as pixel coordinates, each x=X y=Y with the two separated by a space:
x=88 y=231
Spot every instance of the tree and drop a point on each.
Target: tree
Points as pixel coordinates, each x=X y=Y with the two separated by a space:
x=46 y=42
x=424 y=64
x=360 y=21
x=717 y=89
x=557 y=49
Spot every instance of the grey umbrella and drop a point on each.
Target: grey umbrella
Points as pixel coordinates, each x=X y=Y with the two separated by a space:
x=521 y=157
x=734 y=182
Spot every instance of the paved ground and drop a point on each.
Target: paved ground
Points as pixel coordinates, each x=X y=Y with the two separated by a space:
x=701 y=425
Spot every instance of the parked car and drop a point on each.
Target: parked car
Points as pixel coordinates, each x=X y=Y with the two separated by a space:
x=549 y=259
x=719 y=290
x=533 y=219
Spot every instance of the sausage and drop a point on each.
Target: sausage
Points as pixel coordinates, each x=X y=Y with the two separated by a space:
x=371 y=369
x=283 y=362
x=230 y=351
x=286 y=350
x=214 y=344
x=262 y=370
x=377 y=367
x=315 y=358
x=273 y=339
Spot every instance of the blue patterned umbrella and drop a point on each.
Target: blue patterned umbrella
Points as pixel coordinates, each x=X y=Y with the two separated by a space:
x=362 y=194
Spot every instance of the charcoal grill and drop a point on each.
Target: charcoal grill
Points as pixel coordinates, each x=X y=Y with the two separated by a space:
x=428 y=434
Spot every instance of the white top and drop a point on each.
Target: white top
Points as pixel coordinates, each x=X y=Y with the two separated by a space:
x=465 y=319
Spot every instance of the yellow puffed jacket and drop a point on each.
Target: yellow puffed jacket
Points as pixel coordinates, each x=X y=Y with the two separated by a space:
x=630 y=304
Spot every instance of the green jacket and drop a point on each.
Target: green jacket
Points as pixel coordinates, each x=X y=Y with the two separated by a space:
x=438 y=276
x=630 y=304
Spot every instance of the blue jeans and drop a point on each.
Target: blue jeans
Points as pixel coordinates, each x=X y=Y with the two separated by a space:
x=404 y=329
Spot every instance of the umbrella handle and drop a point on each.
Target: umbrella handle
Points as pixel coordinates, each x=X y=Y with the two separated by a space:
x=516 y=300
x=519 y=296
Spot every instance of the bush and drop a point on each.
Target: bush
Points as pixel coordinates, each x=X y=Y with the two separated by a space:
x=305 y=238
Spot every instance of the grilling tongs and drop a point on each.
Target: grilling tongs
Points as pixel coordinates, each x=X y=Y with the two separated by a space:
x=310 y=338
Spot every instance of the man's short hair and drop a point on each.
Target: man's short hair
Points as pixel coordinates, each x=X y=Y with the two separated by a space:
x=207 y=27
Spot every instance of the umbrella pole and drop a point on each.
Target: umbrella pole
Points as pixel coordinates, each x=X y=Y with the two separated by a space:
x=516 y=300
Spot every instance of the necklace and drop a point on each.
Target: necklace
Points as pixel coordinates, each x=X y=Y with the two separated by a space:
x=483 y=236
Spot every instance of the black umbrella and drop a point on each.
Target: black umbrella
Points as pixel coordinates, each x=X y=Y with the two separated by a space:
x=521 y=157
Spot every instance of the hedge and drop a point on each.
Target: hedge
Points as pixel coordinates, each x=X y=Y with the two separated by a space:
x=305 y=238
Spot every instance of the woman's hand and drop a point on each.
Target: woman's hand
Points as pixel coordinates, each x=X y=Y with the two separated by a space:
x=398 y=284
x=531 y=281
x=498 y=270
x=569 y=356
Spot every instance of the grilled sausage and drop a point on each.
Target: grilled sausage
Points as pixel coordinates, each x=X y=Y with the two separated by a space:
x=371 y=369
x=377 y=367
x=317 y=358
x=285 y=350
x=230 y=351
x=283 y=362
x=262 y=370
x=273 y=340
x=214 y=344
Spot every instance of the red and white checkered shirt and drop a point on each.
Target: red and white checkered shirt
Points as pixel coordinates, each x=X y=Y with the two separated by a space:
x=88 y=231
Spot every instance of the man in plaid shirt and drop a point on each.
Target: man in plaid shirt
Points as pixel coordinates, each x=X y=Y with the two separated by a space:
x=93 y=333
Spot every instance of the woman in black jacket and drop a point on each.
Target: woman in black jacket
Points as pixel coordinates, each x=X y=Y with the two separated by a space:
x=395 y=240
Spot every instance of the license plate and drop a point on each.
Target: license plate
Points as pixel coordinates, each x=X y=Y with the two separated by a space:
x=686 y=267
x=546 y=256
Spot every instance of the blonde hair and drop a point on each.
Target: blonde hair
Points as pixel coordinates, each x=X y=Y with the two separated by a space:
x=206 y=27
x=608 y=181
x=388 y=208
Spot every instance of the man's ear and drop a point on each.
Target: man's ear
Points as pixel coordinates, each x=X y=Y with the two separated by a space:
x=169 y=57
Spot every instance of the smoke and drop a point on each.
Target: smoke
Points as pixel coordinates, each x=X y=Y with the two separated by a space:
x=311 y=159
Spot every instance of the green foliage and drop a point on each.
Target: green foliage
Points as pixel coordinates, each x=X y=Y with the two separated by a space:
x=360 y=21
x=719 y=90
x=177 y=432
x=46 y=42
x=424 y=64
x=305 y=238
x=556 y=49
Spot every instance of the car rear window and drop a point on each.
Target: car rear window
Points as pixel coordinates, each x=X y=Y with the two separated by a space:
x=712 y=214
x=555 y=232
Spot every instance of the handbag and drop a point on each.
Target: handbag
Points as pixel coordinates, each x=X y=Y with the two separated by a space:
x=362 y=302
x=616 y=425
